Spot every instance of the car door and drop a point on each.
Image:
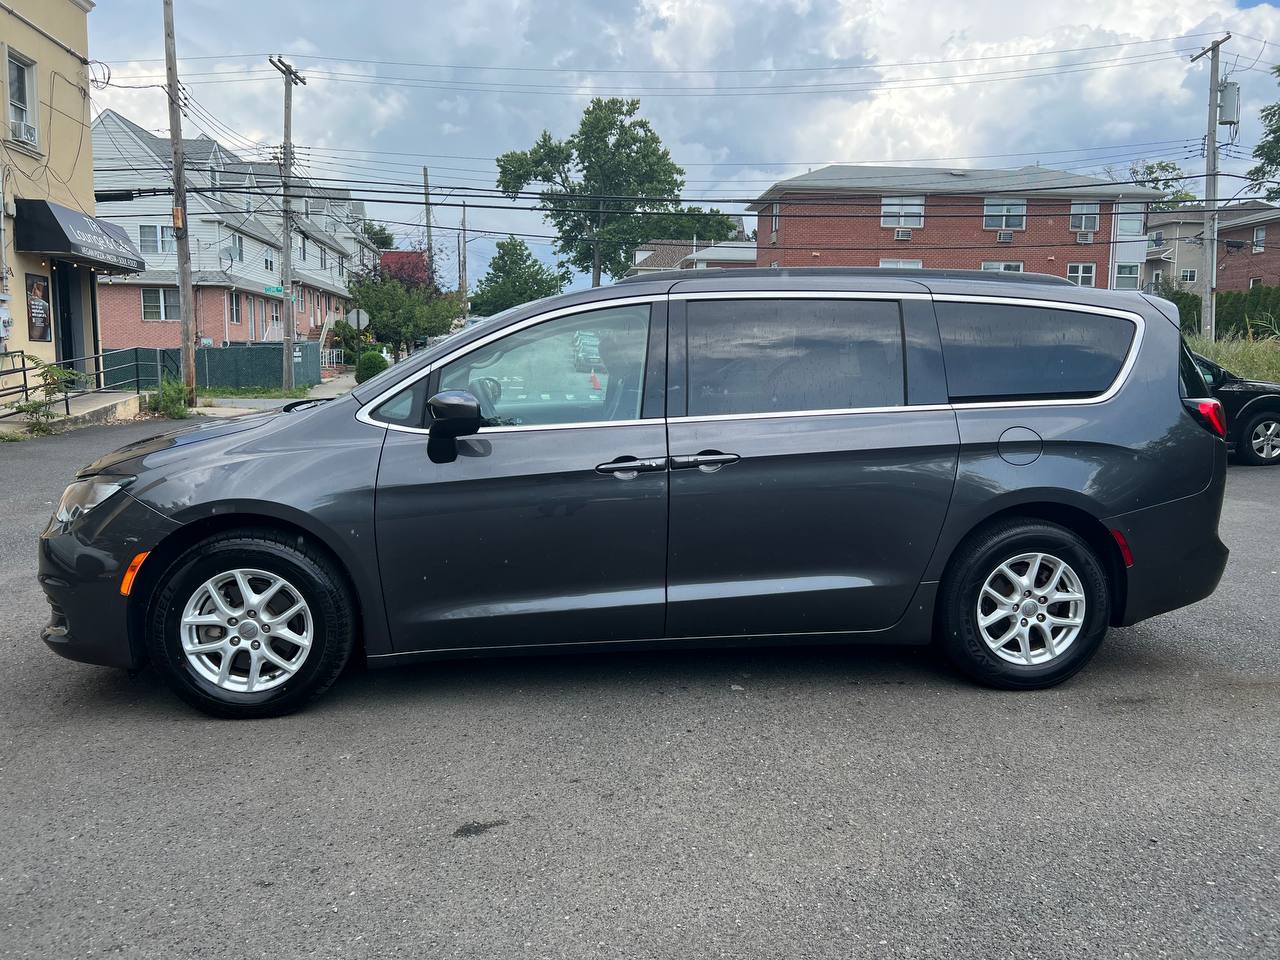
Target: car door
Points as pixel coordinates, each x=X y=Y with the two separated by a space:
x=806 y=492
x=549 y=525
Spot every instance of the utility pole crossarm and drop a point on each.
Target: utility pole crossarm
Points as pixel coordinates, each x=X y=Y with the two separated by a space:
x=291 y=79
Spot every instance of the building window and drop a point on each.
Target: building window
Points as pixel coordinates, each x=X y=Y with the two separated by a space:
x=275 y=313
x=776 y=219
x=902 y=212
x=269 y=259
x=22 y=121
x=902 y=264
x=154 y=239
x=235 y=307
x=1001 y=214
x=302 y=246
x=1188 y=276
x=1255 y=282
x=1259 y=239
x=1130 y=220
x=324 y=258
x=215 y=182
x=1157 y=277
x=1084 y=217
x=298 y=302
x=342 y=266
x=237 y=247
x=1005 y=266
x=1156 y=239
x=773 y=264
x=1128 y=276
x=160 y=303
x=1081 y=274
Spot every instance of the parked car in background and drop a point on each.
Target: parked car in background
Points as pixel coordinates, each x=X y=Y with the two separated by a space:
x=1007 y=462
x=1253 y=413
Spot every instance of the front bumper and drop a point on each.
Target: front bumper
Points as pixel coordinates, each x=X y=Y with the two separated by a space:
x=1178 y=556
x=80 y=568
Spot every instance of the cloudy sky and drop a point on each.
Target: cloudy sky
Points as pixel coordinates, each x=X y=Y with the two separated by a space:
x=744 y=92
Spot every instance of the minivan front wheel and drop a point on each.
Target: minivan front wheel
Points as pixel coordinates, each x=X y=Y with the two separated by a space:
x=1024 y=605
x=251 y=623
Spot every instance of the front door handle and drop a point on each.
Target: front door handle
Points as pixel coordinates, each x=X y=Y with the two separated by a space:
x=708 y=461
x=628 y=468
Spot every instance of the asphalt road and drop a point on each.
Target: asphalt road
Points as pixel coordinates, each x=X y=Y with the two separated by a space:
x=781 y=803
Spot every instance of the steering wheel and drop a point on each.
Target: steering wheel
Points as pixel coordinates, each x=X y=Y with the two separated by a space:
x=488 y=391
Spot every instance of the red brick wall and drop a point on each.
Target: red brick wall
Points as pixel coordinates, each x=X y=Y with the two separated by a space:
x=1047 y=244
x=1237 y=267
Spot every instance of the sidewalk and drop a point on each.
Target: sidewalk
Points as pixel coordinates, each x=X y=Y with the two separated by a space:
x=105 y=407
x=213 y=406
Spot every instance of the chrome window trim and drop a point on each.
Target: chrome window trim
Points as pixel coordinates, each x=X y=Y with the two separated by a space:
x=1121 y=378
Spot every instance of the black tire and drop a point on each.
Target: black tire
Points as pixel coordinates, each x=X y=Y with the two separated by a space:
x=1244 y=440
x=290 y=557
x=975 y=560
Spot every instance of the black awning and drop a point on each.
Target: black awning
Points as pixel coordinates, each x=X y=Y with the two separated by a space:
x=58 y=231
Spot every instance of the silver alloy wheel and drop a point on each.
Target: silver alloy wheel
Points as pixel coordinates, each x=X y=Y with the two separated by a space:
x=1031 y=609
x=246 y=630
x=1266 y=439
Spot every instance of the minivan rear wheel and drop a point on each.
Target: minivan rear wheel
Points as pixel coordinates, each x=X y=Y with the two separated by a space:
x=1024 y=605
x=250 y=623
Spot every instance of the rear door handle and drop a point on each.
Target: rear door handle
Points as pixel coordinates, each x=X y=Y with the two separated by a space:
x=628 y=468
x=708 y=461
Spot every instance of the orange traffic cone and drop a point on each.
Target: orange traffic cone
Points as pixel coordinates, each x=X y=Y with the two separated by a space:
x=595 y=381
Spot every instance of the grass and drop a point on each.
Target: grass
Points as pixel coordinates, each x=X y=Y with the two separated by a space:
x=257 y=393
x=1257 y=359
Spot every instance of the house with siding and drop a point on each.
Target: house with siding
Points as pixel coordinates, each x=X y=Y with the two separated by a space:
x=1249 y=251
x=1175 y=242
x=234 y=224
x=1033 y=219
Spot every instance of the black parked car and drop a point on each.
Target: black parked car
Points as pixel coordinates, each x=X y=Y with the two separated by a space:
x=1010 y=464
x=1253 y=413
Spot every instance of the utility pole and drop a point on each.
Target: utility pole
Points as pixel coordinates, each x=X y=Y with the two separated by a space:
x=1207 y=306
x=291 y=79
x=186 y=290
x=462 y=264
x=426 y=199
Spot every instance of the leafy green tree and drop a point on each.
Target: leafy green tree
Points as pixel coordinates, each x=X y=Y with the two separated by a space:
x=1267 y=152
x=1165 y=176
x=515 y=276
x=378 y=234
x=399 y=316
x=608 y=188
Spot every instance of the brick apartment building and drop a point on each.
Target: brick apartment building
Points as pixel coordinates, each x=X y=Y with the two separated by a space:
x=234 y=224
x=1249 y=251
x=1033 y=219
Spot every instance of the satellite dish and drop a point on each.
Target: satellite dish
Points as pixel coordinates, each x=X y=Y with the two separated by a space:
x=358 y=318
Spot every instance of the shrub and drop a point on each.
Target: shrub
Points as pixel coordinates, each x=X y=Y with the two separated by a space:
x=53 y=382
x=1256 y=359
x=370 y=364
x=169 y=400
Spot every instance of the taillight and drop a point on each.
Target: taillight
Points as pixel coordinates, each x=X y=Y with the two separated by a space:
x=1210 y=415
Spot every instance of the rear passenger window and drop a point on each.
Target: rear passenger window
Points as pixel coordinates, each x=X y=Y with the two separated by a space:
x=772 y=356
x=995 y=352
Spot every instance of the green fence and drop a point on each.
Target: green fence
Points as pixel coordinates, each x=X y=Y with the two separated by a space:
x=255 y=365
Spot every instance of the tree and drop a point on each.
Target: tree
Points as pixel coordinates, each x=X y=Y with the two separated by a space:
x=378 y=234
x=1165 y=176
x=399 y=316
x=1267 y=152
x=515 y=276
x=608 y=188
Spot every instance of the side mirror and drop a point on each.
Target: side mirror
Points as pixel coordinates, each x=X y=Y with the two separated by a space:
x=454 y=413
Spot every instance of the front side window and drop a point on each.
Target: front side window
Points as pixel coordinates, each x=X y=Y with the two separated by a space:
x=902 y=212
x=996 y=352
x=779 y=356
x=1002 y=266
x=1130 y=220
x=901 y=264
x=583 y=368
x=1002 y=214
x=1084 y=216
x=1128 y=276
x=1081 y=274
x=160 y=303
x=1259 y=239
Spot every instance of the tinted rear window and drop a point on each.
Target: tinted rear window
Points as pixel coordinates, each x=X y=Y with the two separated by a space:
x=766 y=356
x=997 y=352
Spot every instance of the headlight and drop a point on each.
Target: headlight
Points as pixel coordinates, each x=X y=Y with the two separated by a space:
x=83 y=495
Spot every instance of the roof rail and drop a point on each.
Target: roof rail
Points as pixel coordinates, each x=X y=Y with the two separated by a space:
x=802 y=273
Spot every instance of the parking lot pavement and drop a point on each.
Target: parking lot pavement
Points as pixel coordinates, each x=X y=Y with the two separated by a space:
x=759 y=803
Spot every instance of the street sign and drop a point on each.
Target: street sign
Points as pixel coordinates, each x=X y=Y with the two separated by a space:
x=297 y=354
x=279 y=290
x=358 y=318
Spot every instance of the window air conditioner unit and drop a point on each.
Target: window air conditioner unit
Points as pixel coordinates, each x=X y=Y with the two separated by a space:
x=1004 y=236
x=23 y=132
x=1084 y=236
x=902 y=233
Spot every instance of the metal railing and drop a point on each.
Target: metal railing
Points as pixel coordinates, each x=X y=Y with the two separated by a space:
x=332 y=357
x=94 y=373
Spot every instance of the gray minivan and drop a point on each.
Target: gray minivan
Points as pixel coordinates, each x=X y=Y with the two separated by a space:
x=1007 y=464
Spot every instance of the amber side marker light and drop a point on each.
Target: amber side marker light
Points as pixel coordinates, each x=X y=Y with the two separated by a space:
x=131 y=573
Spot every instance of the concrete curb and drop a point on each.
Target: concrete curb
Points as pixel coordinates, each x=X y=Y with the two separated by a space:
x=126 y=408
